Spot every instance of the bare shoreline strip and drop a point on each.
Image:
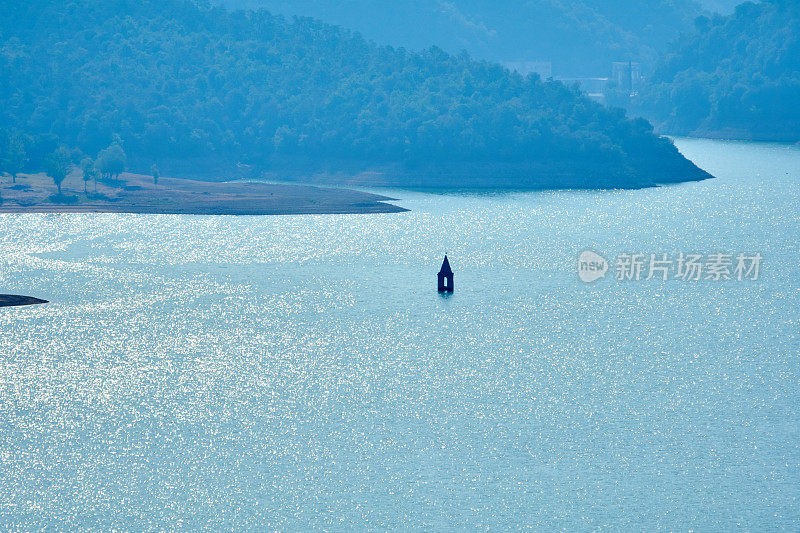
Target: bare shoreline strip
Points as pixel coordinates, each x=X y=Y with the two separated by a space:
x=137 y=194
x=344 y=209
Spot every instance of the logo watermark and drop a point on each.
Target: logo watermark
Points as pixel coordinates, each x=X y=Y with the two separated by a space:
x=661 y=266
x=591 y=266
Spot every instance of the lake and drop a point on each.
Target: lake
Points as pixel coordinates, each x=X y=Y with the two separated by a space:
x=302 y=373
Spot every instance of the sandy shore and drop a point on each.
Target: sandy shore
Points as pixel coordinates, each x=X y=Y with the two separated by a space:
x=136 y=193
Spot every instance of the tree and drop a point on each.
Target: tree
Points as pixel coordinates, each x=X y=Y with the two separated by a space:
x=16 y=156
x=58 y=165
x=111 y=161
x=154 y=172
x=87 y=167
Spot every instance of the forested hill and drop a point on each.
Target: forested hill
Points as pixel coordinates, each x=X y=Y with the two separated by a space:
x=579 y=37
x=737 y=77
x=173 y=82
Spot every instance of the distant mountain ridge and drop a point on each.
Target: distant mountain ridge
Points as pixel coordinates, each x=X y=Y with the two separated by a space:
x=173 y=81
x=579 y=37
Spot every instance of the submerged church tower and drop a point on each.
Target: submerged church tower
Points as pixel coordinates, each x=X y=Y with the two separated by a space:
x=446 y=277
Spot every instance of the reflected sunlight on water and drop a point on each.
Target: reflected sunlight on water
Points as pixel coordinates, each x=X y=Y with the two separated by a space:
x=301 y=372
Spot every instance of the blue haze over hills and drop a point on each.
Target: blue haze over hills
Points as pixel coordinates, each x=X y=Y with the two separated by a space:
x=734 y=77
x=720 y=6
x=176 y=83
x=201 y=89
x=578 y=37
x=698 y=68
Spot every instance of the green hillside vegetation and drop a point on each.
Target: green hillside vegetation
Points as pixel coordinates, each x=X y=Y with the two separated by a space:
x=579 y=37
x=172 y=82
x=737 y=77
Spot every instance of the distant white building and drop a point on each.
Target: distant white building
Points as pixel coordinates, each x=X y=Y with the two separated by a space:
x=627 y=76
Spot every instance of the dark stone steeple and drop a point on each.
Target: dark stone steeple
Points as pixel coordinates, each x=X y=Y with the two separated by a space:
x=446 y=277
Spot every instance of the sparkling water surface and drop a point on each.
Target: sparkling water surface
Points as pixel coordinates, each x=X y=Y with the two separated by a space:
x=301 y=372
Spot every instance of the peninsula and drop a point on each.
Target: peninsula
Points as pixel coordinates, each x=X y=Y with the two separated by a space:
x=295 y=97
x=11 y=300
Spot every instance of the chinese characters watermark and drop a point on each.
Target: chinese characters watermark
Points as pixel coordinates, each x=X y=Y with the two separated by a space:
x=661 y=266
